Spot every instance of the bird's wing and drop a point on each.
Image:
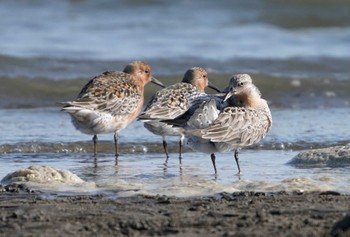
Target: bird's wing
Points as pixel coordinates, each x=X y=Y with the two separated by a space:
x=114 y=92
x=236 y=125
x=171 y=102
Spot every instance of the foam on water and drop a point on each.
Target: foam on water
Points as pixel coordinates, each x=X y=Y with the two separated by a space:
x=337 y=156
x=146 y=174
x=47 y=178
x=42 y=174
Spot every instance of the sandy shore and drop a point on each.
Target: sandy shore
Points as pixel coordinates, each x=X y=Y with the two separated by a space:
x=226 y=214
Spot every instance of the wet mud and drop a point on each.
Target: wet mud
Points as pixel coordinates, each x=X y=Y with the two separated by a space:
x=24 y=212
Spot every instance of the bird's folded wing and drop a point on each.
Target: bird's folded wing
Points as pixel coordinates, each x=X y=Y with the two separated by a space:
x=236 y=125
x=113 y=92
x=171 y=102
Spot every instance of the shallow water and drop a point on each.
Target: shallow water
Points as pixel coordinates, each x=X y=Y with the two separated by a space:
x=32 y=129
x=146 y=174
x=45 y=137
x=296 y=52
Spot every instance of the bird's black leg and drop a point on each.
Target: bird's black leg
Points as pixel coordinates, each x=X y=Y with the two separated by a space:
x=212 y=156
x=236 y=158
x=165 y=146
x=180 y=149
x=94 y=139
x=116 y=144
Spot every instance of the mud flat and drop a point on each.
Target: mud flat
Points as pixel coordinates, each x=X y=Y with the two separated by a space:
x=24 y=212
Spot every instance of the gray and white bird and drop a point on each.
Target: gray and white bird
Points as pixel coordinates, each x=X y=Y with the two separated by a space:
x=220 y=124
x=173 y=101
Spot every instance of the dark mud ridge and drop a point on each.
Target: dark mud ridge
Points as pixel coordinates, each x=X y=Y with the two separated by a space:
x=29 y=213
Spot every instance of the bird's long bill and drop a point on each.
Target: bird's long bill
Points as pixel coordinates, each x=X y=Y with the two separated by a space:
x=157 y=82
x=212 y=86
x=229 y=94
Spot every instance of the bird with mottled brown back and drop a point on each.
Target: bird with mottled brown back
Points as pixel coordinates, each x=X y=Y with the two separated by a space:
x=111 y=101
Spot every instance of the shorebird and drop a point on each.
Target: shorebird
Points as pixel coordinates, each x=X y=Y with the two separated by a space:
x=111 y=101
x=220 y=124
x=172 y=101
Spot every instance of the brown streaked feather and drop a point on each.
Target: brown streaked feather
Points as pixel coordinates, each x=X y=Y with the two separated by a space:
x=239 y=126
x=171 y=102
x=115 y=92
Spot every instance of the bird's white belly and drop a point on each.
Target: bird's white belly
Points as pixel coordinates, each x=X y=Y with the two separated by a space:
x=91 y=122
x=162 y=129
x=206 y=146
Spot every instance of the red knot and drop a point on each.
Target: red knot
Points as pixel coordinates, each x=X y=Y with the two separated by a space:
x=173 y=101
x=111 y=101
x=220 y=124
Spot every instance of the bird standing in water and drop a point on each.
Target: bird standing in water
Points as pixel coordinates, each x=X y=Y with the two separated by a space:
x=111 y=101
x=220 y=124
x=172 y=101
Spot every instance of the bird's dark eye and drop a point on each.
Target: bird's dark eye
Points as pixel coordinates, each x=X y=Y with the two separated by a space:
x=146 y=71
x=241 y=84
x=204 y=76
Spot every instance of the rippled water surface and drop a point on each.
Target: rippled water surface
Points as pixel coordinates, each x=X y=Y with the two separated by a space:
x=297 y=53
x=46 y=137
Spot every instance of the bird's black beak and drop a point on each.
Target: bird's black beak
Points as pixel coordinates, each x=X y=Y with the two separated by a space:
x=157 y=82
x=212 y=86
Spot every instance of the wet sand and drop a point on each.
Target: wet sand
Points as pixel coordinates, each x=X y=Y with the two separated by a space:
x=28 y=213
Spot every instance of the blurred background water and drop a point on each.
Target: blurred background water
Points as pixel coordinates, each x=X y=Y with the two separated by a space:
x=296 y=51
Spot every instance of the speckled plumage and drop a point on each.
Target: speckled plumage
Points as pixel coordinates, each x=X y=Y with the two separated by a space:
x=173 y=101
x=111 y=101
x=241 y=119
